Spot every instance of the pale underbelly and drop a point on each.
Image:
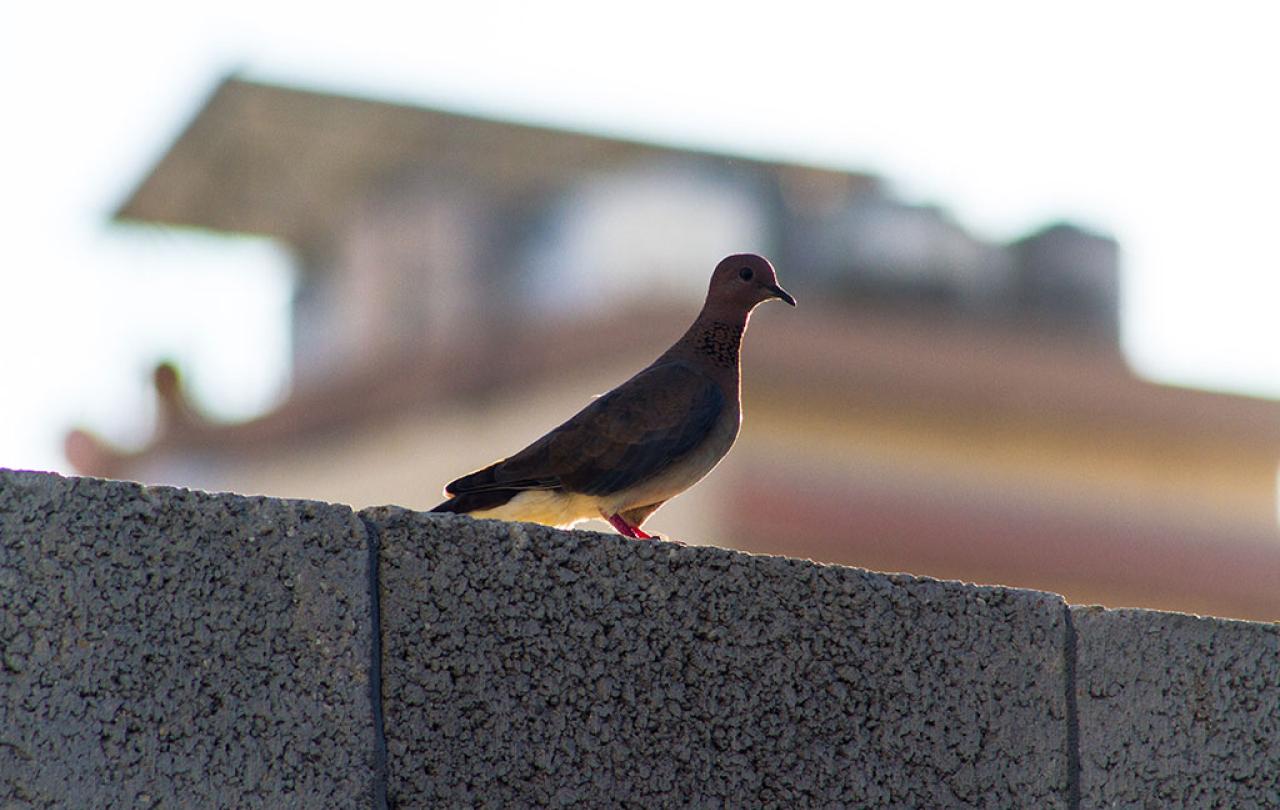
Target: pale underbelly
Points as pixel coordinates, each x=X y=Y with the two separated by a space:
x=546 y=507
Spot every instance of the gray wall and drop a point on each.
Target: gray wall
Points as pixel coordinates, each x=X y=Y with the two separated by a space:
x=160 y=647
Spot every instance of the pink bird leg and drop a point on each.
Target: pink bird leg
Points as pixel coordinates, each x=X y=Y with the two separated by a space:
x=626 y=529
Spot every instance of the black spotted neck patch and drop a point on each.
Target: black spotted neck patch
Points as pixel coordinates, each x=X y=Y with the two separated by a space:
x=720 y=342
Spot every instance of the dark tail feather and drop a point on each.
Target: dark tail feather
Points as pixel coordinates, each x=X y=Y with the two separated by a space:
x=476 y=501
x=482 y=478
x=481 y=490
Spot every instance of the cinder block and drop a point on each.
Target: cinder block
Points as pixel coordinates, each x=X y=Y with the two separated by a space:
x=167 y=648
x=1176 y=710
x=530 y=667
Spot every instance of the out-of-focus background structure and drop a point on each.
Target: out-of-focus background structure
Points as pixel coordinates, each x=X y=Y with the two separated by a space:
x=943 y=401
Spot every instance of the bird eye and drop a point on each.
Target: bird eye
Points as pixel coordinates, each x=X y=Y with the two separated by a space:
x=746 y=273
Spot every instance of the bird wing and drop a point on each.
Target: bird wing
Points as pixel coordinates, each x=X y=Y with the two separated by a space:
x=623 y=437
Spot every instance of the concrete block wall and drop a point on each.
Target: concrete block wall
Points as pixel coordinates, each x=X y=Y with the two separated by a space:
x=167 y=648
x=160 y=647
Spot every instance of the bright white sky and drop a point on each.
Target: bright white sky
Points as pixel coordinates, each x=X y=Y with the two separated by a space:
x=1155 y=121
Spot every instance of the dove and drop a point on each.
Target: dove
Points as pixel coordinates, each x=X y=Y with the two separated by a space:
x=634 y=448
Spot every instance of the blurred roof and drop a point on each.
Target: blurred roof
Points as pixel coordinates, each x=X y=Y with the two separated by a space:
x=289 y=163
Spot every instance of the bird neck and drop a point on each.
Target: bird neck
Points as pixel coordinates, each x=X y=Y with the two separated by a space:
x=714 y=339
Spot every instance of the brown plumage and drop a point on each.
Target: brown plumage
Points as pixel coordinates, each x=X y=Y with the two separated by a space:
x=655 y=435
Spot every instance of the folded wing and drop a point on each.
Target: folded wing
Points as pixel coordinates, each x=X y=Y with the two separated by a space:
x=622 y=438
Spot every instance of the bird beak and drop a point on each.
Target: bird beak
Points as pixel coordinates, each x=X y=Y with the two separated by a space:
x=778 y=292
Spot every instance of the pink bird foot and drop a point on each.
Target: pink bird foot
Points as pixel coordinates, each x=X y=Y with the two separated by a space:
x=626 y=529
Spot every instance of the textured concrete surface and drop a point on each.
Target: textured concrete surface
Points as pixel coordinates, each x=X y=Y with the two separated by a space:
x=166 y=648
x=1177 y=711
x=527 y=667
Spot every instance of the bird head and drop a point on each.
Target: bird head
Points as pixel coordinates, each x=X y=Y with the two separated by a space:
x=743 y=281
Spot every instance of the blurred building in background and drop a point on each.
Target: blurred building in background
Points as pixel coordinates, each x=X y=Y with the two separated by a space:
x=938 y=404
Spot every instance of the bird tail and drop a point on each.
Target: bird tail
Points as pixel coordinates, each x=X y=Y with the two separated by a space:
x=476 y=501
x=481 y=490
